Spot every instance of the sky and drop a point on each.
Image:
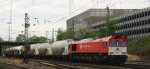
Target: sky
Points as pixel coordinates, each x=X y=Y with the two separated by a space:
x=48 y=14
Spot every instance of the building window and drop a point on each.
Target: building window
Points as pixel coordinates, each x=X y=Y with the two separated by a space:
x=143 y=14
x=148 y=30
x=148 y=12
x=140 y=14
x=148 y=21
x=143 y=30
x=138 y=31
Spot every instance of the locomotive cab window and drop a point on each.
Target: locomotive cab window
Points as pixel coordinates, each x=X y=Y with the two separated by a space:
x=112 y=43
x=122 y=43
x=105 y=44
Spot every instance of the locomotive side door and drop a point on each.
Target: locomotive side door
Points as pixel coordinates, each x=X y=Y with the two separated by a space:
x=73 y=48
x=100 y=46
x=104 y=46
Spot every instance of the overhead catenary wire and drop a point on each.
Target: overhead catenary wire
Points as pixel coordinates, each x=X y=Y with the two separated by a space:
x=64 y=13
x=63 y=17
x=9 y=3
x=93 y=3
x=75 y=11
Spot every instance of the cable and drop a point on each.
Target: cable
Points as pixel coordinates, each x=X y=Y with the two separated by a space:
x=93 y=3
x=9 y=3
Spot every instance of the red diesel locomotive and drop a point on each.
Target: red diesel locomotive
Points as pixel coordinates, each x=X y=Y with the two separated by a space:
x=112 y=49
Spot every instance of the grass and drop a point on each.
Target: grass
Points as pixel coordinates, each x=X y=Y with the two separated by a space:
x=140 y=46
x=4 y=60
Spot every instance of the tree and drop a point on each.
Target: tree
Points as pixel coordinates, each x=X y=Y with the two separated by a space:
x=1 y=39
x=111 y=27
x=87 y=33
x=102 y=32
x=42 y=39
x=20 y=38
x=62 y=34
x=37 y=39
x=81 y=34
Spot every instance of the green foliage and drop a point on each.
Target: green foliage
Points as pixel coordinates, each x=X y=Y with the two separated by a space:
x=140 y=46
x=20 y=38
x=111 y=26
x=5 y=47
x=1 y=39
x=102 y=32
x=87 y=33
x=81 y=34
x=62 y=34
x=37 y=39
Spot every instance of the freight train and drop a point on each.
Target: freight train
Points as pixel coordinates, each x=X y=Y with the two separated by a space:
x=111 y=49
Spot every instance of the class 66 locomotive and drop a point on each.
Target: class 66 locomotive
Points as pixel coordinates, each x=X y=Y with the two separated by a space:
x=112 y=49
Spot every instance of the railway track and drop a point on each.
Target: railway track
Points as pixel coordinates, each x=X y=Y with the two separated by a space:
x=136 y=66
x=8 y=66
x=72 y=65
x=56 y=64
x=75 y=65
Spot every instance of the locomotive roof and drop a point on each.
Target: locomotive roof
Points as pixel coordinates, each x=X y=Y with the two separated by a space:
x=104 y=38
x=85 y=41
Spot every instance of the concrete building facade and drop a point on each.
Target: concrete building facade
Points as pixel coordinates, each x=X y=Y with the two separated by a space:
x=91 y=16
x=133 y=25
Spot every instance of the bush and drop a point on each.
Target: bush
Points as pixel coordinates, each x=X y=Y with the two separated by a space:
x=140 y=46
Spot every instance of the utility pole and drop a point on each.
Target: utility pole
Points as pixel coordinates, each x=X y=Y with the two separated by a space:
x=53 y=35
x=10 y=22
x=8 y=31
x=47 y=33
x=107 y=21
x=26 y=44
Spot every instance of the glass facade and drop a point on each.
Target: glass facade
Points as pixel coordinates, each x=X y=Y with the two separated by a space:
x=133 y=25
x=92 y=16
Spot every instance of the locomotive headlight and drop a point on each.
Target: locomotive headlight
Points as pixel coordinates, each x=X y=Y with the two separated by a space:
x=110 y=53
x=124 y=53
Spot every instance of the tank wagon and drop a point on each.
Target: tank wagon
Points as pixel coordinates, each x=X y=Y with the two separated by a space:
x=6 y=52
x=34 y=49
x=18 y=50
x=60 y=47
x=14 y=51
x=44 y=49
x=40 y=50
